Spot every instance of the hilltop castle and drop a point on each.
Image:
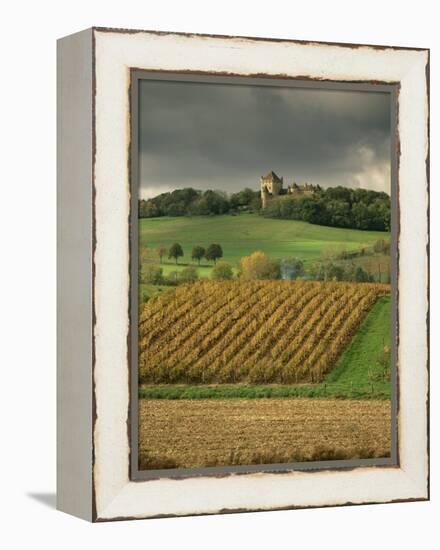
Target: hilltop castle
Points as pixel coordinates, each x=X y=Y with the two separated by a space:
x=272 y=186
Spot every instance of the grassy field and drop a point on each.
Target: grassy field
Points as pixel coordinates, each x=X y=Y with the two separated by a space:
x=202 y=433
x=243 y=234
x=356 y=366
x=355 y=376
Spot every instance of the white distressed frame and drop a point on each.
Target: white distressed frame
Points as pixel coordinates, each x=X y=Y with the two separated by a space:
x=115 y=496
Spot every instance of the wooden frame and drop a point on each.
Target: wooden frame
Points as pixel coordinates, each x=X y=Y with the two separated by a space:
x=94 y=479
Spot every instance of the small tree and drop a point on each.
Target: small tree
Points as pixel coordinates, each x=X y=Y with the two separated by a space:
x=222 y=271
x=144 y=257
x=198 y=252
x=175 y=251
x=259 y=266
x=172 y=278
x=214 y=252
x=161 y=251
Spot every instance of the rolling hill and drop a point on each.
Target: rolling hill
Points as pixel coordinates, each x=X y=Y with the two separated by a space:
x=243 y=234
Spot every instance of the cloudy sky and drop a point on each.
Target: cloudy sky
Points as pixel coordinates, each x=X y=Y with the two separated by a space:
x=226 y=136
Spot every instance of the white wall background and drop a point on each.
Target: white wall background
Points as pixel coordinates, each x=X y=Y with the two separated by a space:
x=27 y=289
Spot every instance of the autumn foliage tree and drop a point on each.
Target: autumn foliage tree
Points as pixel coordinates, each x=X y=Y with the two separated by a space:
x=161 y=251
x=259 y=266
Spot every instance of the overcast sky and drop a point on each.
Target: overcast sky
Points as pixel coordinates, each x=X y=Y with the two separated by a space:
x=226 y=136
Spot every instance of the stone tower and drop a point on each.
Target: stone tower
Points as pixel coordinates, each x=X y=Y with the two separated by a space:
x=264 y=197
x=271 y=186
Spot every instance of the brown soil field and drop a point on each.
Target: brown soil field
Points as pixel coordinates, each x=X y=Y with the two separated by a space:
x=213 y=432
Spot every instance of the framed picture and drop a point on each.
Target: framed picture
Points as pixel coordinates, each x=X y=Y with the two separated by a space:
x=243 y=274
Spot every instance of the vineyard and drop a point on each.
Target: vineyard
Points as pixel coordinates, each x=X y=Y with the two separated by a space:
x=250 y=331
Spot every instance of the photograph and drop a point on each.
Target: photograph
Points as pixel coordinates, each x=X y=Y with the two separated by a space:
x=265 y=274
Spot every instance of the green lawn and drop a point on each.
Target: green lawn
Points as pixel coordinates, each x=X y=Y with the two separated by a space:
x=357 y=364
x=243 y=234
x=352 y=378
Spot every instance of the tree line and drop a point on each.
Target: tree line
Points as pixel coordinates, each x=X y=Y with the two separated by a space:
x=258 y=266
x=191 y=202
x=335 y=207
x=153 y=274
x=212 y=253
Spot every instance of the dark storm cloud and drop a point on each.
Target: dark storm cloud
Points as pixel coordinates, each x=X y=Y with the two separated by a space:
x=226 y=136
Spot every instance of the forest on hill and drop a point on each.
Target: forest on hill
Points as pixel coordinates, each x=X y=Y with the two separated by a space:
x=335 y=206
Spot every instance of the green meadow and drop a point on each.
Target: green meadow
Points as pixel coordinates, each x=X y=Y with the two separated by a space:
x=355 y=366
x=242 y=234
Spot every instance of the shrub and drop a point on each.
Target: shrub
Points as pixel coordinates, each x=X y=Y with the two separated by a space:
x=188 y=275
x=291 y=268
x=382 y=246
x=222 y=271
x=172 y=278
x=153 y=275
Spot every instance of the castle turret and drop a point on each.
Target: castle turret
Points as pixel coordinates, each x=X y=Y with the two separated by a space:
x=271 y=186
